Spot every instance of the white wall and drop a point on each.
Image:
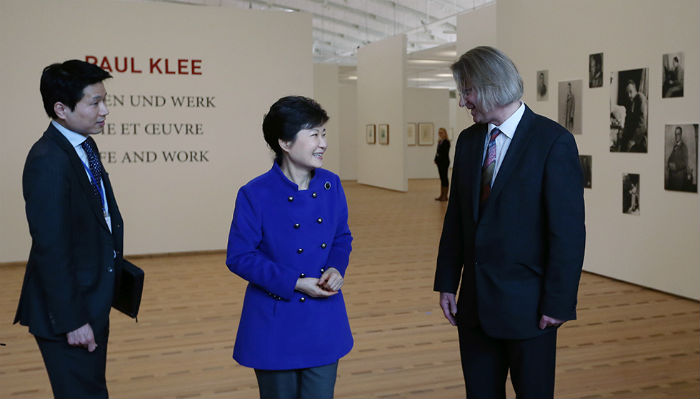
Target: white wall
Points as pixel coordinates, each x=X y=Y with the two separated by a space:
x=456 y=129
x=348 y=131
x=167 y=207
x=327 y=93
x=660 y=247
x=380 y=100
x=477 y=28
x=425 y=105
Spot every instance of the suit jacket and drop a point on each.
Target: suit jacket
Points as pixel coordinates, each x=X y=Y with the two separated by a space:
x=70 y=275
x=279 y=234
x=522 y=256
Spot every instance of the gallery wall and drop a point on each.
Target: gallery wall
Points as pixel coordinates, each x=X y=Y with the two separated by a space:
x=659 y=246
x=455 y=128
x=225 y=86
x=327 y=93
x=425 y=106
x=348 y=131
x=380 y=100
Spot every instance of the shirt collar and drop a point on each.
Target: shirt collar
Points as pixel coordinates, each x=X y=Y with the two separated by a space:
x=509 y=125
x=74 y=138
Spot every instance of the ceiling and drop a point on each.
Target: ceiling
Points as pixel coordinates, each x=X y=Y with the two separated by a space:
x=341 y=27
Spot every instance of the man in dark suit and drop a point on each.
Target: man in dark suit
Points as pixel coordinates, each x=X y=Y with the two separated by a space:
x=514 y=232
x=76 y=230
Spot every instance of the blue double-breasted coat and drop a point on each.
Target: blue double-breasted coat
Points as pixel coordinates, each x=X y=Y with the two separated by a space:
x=279 y=234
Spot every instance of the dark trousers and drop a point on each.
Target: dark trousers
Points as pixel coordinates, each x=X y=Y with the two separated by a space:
x=73 y=371
x=486 y=362
x=314 y=382
x=442 y=171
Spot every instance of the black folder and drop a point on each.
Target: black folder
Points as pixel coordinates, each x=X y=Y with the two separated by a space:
x=128 y=289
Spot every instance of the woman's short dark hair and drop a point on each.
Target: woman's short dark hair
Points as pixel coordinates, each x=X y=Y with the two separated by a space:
x=65 y=82
x=287 y=117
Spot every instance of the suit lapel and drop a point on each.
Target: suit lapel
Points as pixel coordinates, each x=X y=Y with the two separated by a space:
x=111 y=201
x=79 y=170
x=517 y=147
x=475 y=158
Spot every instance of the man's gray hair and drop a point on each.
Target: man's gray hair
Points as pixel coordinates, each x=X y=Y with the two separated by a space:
x=491 y=74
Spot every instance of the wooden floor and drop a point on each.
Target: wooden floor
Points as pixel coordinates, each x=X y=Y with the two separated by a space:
x=629 y=342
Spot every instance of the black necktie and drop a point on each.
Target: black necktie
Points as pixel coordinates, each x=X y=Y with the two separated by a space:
x=95 y=166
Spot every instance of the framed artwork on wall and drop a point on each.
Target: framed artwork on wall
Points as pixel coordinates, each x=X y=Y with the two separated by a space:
x=370 y=134
x=570 y=110
x=629 y=110
x=630 y=193
x=595 y=70
x=681 y=157
x=542 y=83
x=425 y=133
x=411 y=134
x=384 y=134
x=586 y=165
x=673 y=75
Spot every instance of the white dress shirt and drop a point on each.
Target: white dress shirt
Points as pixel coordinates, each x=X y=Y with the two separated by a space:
x=76 y=140
x=503 y=140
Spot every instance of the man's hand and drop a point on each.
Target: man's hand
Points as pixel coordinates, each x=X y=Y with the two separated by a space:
x=546 y=321
x=83 y=336
x=449 y=306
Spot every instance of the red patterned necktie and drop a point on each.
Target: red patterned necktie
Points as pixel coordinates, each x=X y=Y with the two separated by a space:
x=489 y=166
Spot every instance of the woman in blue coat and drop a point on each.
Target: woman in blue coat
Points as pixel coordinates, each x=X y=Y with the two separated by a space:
x=290 y=240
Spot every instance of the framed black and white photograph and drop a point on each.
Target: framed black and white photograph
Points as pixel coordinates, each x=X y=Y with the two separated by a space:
x=673 y=67
x=586 y=161
x=595 y=70
x=383 y=134
x=570 y=111
x=629 y=110
x=426 y=131
x=542 y=84
x=630 y=193
x=370 y=134
x=411 y=134
x=681 y=158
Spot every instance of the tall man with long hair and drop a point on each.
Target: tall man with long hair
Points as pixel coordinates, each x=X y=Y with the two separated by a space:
x=513 y=233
